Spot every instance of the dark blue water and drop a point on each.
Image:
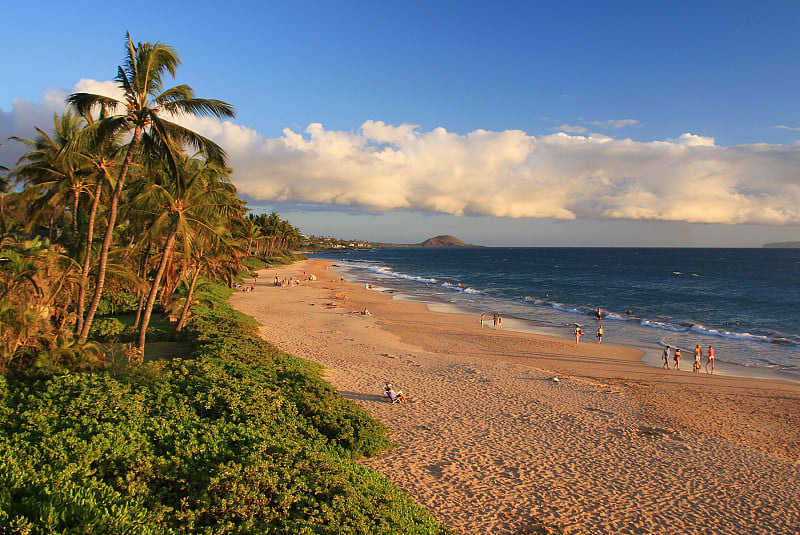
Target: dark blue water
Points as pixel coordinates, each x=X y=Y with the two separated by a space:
x=744 y=302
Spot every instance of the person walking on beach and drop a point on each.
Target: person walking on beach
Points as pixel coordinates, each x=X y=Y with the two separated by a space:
x=665 y=356
x=698 y=354
x=710 y=359
x=499 y=326
x=483 y=315
x=578 y=334
x=600 y=335
x=677 y=358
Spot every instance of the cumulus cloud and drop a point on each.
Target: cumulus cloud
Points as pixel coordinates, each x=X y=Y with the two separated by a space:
x=382 y=167
x=784 y=127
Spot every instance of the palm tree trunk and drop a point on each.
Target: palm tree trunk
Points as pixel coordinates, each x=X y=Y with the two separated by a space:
x=151 y=298
x=112 y=220
x=88 y=257
x=76 y=200
x=188 y=304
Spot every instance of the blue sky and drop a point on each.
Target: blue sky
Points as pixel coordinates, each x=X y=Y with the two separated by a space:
x=503 y=123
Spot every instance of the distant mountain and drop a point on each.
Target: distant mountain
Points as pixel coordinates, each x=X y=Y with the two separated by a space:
x=444 y=241
x=782 y=245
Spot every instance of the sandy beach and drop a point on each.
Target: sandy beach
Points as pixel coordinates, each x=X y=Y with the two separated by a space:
x=511 y=432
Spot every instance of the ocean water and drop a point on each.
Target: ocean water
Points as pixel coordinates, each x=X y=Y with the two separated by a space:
x=744 y=302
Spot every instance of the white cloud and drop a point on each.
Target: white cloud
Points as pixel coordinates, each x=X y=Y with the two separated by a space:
x=383 y=167
x=616 y=123
x=784 y=127
x=571 y=129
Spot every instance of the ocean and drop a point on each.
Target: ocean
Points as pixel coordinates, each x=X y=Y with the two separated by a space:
x=744 y=302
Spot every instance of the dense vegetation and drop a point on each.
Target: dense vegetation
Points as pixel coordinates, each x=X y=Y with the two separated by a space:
x=117 y=226
x=242 y=438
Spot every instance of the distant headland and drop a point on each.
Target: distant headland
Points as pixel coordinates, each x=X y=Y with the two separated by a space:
x=782 y=245
x=445 y=240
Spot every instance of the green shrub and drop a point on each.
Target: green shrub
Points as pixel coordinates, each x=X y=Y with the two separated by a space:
x=189 y=446
x=117 y=302
x=243 y=439
x=106 y=328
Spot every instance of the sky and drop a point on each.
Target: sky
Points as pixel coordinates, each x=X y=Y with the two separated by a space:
x=501 y=123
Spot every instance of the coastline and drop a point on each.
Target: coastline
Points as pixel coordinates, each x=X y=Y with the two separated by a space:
x=493 y=444
x=651 y=354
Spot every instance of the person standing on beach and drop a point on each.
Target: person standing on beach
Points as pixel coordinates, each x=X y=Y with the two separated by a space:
x=677 y=358
x=666 y=358
x=710 y=359
x=578 y=334
x=483 y=315
x=698 y=354
x=600 y=335
x=499 y=323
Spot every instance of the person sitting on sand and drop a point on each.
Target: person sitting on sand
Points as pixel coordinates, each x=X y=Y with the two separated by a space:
x=394 y=396
x=365 y=312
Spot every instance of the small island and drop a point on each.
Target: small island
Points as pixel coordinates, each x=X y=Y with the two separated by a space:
x=445 y=240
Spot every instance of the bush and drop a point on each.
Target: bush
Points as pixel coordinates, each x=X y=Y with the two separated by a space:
x=245 y=439
x=189 y=446
x=106 y=328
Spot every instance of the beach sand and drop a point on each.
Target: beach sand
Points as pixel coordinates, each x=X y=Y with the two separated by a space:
x=492 y=443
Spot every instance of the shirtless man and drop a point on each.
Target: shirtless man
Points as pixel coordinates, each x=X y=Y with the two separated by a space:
x=600 y=335
x=698 y=353
x=710 y=359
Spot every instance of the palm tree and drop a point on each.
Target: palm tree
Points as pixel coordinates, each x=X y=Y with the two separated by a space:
x=183 y=207
x=55 y=169
x=103 y=155
x=144 y=111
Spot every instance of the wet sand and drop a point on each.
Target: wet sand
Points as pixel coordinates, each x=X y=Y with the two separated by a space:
x=493 y=443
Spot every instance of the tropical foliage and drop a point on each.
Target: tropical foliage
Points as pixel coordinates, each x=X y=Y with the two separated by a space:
x=242 y=439
x=116 y=218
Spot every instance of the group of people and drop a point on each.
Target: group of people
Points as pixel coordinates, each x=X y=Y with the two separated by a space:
x=579 y=332
x=497 y=320
x=244 y=287
x=698 y=355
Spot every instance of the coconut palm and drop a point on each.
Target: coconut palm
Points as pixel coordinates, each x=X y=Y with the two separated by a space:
x=55 y=169
x=182 y=206
x=145 y=110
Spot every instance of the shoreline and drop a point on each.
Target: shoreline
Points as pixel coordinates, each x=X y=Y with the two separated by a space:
x=492 y=444
x=651 y=353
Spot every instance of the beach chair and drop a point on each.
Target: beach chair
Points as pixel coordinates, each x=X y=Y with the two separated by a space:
x=394 y=397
